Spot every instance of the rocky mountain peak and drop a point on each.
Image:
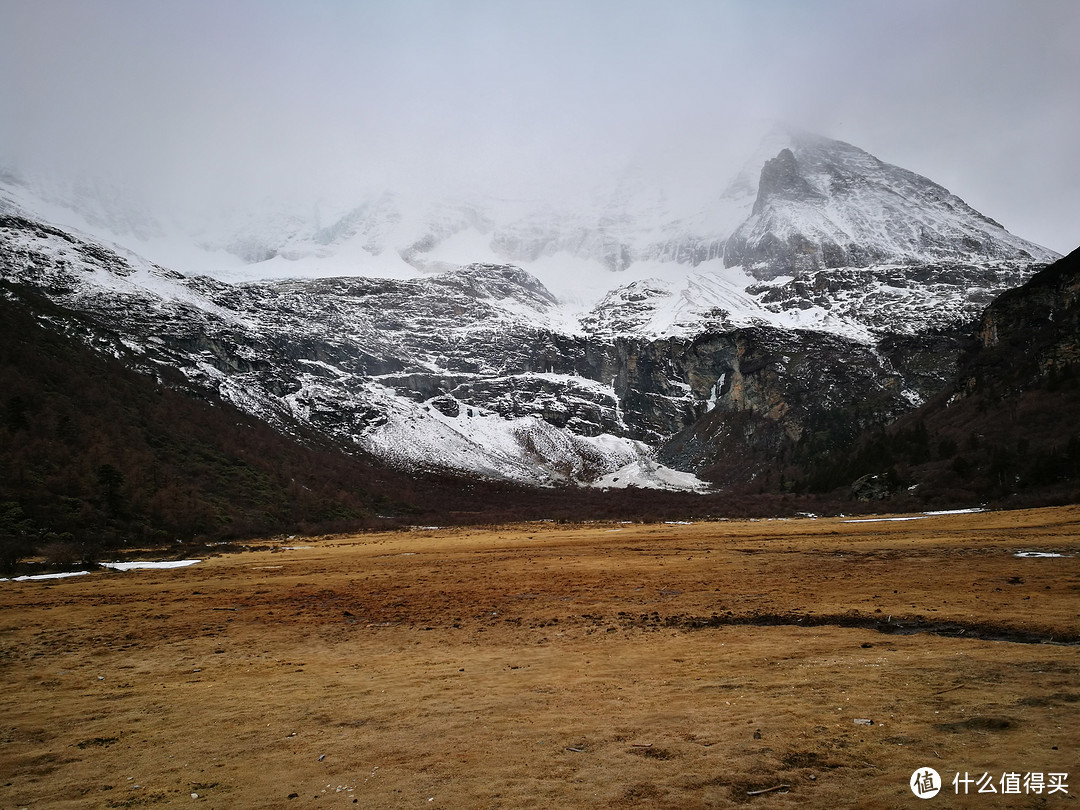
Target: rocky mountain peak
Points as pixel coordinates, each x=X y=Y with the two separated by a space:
x=825 y=204
x=780 y=179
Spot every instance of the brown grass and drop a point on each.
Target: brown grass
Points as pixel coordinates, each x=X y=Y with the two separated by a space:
x=609 y=665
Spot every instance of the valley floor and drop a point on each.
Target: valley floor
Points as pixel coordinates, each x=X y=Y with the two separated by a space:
x=539 y=665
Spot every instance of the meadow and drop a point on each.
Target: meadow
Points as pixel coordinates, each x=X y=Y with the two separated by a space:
x=815 y=662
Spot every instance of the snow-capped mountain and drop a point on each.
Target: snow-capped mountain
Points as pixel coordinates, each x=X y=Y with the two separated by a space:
x=815 y=203
x=545 y=343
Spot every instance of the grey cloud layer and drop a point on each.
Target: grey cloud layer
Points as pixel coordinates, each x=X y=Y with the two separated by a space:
x=251 y=98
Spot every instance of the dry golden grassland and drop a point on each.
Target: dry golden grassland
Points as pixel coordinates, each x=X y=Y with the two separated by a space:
x=538 y=665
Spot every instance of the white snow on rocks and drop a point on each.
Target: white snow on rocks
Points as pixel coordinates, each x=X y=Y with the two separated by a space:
x=525 y=449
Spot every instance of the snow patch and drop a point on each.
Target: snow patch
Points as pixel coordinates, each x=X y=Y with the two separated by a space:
x=922 y=516
x=61 y=575
x=140 y=564
x=969 y=511
x=116 y=566
x=648 y=474
x=885 y=519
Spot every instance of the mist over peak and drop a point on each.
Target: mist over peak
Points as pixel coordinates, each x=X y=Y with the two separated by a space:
x=199 y=106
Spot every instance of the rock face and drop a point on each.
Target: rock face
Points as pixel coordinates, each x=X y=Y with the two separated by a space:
x=1004 y=429
x=849 y=289
x=1039 y=322
x=776 y=390
x=781 y=181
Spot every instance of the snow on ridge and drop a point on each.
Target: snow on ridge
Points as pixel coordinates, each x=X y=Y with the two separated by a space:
x=572 y=380
x=114 y=267
x=567 y=248
x=711 y=296
x=524 y=449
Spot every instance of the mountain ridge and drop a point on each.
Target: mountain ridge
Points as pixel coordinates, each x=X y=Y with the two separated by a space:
x=633 y=219
x=483 y=368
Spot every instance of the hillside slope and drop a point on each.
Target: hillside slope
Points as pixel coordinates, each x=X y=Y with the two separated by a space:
x=1007 y=430
x=95 y=454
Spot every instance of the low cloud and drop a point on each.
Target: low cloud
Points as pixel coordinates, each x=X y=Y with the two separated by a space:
x=247 y=100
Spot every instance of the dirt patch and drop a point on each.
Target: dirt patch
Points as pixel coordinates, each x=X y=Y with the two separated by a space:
x=979 y=724
x=103 y=742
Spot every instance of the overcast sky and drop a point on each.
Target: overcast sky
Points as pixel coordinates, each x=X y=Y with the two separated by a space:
x=191 y=98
